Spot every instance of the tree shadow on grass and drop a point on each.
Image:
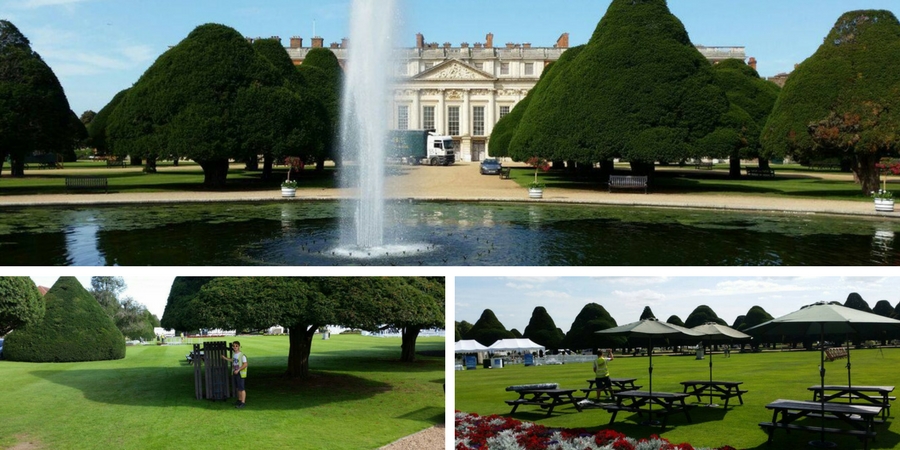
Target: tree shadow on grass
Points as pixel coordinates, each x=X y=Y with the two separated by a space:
x=267 y=386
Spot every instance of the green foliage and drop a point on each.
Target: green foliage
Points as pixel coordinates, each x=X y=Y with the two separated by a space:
x=488 y=329
x=202 y=100
x=638 y=90
x=75 y=328
x=883 y=308
x=97 y=127
x=34 y=111
x=180 y=313
x=675 y=320
x=542 y=330
x=583 y=332
x=462 y=329
x=701 y=315
x=856 y=302
x=647 y=313
x=21 y=303
x=321 y=79
x=842 y=101
x=755 y=316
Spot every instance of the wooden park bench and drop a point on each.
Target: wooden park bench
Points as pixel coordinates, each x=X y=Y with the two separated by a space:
x=504 y=173
x=627 y=182
x=756 y=172
x=707 y=165
x=87 y=183
x=115 y=162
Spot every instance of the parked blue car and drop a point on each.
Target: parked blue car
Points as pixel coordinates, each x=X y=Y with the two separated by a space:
x=490 y=167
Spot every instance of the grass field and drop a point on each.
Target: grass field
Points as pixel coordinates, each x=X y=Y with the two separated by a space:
x=768 y=376
x=359 y=397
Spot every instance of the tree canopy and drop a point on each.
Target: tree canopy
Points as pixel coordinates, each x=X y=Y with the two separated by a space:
x=883 y=308
x=20 y=303
x=74 y=328
x=304 y=305
x=97 y=127
x=647 y=313
x=702 y=315
x=583 y=332
x=488 y=329
x=542 y=330
x=842 y=101
x=203 y=99
x=638 y=90
x=855 y=301
x=34 y=111
x=321 y=80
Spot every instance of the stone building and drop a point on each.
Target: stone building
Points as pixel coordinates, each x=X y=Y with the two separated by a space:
x=462 y=91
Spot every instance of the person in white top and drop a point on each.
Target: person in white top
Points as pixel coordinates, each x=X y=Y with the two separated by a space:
x=239 y=372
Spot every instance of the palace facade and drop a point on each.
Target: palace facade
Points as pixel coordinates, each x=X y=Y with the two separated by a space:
x=462 y=91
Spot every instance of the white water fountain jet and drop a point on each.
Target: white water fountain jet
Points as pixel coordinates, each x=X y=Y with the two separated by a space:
x=364 y=118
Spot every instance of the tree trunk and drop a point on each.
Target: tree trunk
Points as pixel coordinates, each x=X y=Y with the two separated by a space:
x=408 y=343
x=734 y=164
x=763 y=163
x=150 y=167
x=865 y=171
x=320 y=165
x=17 y=166
x=300 y=339
x=136 y=161
x=3 y=155
x=268 y=161
x=214 y=172
x=252 y=163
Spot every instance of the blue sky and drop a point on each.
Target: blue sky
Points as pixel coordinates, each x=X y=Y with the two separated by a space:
x=151 y=290
x=99 y=47
x=513 y=299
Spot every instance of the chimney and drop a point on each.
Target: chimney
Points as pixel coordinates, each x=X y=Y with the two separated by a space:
x=464 y=45
x=478 y=45
x=296 y=42
x=526 y=45
x=420 y=41
x=563 y=41
x=510 y=45
x=318 y=42
x=334 y=45
x=489 y=40
x=345 y=42
x=752 y=63
x=447 y=45
x=276 y=38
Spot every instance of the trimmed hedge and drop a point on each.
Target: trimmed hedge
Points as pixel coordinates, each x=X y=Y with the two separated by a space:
x=74 y=328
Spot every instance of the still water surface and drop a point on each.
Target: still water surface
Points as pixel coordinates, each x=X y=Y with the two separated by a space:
x=438 y=233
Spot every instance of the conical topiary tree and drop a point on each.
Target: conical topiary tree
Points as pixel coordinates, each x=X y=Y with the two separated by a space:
x=542 y=330
x=755 y=316
x=843 y=100
x=675 y=320
x=74 y=328
x=883 y=308
x=488 y=329
x=701 y=315
x=20 y=303
x=583 y=332
x=855 y=301
x=647 y=313
x=639 y=90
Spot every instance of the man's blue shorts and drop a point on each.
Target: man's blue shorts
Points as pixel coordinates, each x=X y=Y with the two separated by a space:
x=238 y=382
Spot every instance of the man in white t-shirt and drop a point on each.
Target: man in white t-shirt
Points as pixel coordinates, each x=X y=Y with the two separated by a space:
x=238 y=372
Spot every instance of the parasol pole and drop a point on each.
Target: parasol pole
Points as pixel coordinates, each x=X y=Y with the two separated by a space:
x=822 y=442
x=710 y=378
x=849 y=385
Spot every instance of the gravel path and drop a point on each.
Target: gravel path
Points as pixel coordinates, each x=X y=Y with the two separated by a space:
x=428 y=439
x=463 y=182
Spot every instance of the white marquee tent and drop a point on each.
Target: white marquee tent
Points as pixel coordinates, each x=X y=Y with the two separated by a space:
x=521 y=345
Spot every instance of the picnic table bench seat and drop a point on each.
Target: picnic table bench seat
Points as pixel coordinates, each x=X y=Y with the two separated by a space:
x=708 y=165
x=87 y=183
x=834 y=353
x=863 y=435
x=756 y=172
x=529 y=387
x=115 y=162
x=627 y=182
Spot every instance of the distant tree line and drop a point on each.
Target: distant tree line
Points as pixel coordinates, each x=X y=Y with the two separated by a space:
x=593 y=317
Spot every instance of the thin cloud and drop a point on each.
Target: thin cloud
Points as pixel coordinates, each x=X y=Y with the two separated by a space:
x=34 y=4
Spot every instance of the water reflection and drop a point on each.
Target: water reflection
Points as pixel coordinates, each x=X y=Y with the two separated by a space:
x=82 y=244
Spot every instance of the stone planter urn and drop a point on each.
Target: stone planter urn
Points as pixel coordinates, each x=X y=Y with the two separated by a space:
x=535 y=192
x=288 y=192
x=884 y=204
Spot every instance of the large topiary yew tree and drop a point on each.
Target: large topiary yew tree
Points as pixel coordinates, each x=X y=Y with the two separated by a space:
x=542 y=330
x=844 y=100
x=638 y=90
x=74 y=328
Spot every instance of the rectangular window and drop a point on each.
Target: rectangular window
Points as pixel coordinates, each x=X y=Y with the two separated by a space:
x=428 y=117
x=504 y=68
x=504 y=110
x=403 y=117
x=453 y=120
x=479 y=65
x=529 y=68
x=478 y=121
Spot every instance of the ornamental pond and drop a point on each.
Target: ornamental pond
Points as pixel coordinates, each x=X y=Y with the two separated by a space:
x=303 y=233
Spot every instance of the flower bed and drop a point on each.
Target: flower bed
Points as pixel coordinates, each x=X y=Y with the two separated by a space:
x=503 y=433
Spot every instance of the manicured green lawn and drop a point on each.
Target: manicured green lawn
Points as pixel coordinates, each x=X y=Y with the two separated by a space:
x=187 y=177
x=768 y=376
x=792 y=181
x=359 y=396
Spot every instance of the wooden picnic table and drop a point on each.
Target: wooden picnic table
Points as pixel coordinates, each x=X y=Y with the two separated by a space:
x=617 y=385
x=668 y=403
x=876 y=395
x=724 y=390
x=860 y=418
x=545 y=398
